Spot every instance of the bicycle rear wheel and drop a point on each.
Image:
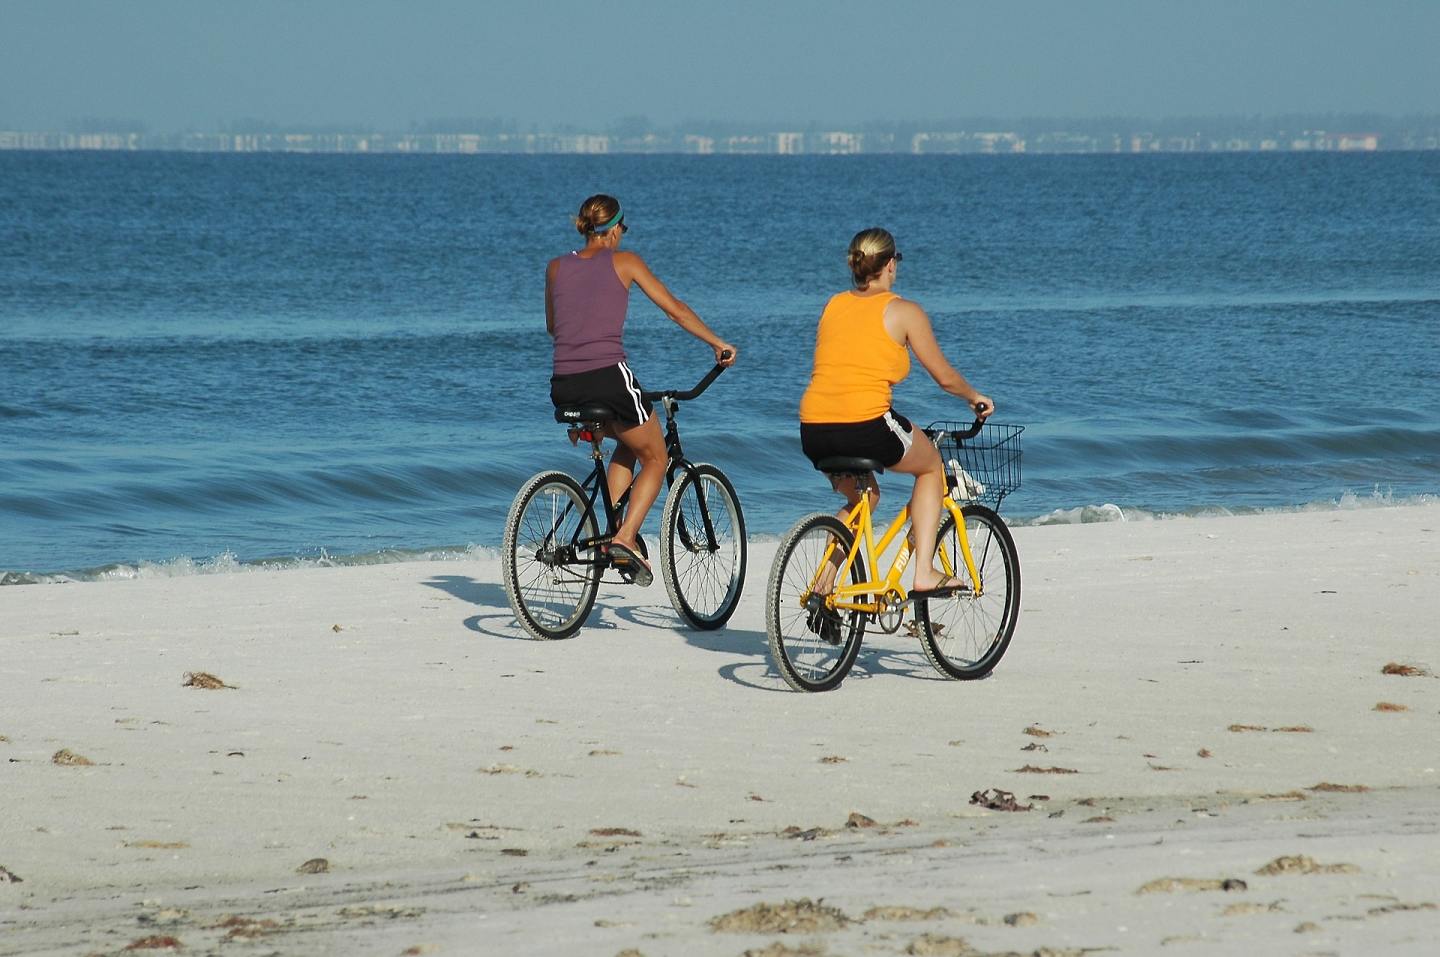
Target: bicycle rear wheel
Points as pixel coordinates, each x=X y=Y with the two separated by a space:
x=550 y=582
x=813 y=647
x=965 y=635
x=704 y=571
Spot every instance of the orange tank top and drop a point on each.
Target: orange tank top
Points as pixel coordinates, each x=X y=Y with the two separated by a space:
x=856 y=361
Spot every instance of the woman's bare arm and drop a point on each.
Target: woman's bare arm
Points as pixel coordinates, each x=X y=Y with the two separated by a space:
x=631 y=268
x=550 y=272
x=909 y=320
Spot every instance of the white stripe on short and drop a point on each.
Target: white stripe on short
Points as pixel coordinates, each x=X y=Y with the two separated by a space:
x=905 y=437
x=634 y=389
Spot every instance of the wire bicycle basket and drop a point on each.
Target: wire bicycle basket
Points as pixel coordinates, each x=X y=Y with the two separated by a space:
x=983 y=468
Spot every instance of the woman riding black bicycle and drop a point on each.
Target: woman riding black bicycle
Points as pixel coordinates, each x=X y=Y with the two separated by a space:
x=587 y=293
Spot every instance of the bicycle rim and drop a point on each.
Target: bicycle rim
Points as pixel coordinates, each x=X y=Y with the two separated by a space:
x=809 y=653
x=965 y=636
x=704 y=571
x=550 y=584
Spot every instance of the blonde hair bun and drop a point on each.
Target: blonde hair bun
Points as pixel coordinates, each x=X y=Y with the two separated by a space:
x=870 y=251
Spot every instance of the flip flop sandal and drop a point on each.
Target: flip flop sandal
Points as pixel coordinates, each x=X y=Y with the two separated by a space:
x=948 y=586
x=630 y=564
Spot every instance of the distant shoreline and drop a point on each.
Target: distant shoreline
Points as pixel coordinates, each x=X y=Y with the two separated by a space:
x=809 y=143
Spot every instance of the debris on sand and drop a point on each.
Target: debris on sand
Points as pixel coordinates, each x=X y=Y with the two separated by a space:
x=510 y=769
x=934 y=945
x=1391 y=706
x=316 y=865
x=158 y=942
x=802 y=916
x=1169 y=885
x=1301 y=864
x=1339 y=788
x=998 y=800
x=204 y=679
x=1033 y=769
x=67 y=758
x=776 y=949
x=237 y=927
x=1035 y=731
x=1401 y=908
x=856 y=819
x=8 y=876
x=1246 y=907
x=1246 y=727
x=902 y=912
x=1404 y=671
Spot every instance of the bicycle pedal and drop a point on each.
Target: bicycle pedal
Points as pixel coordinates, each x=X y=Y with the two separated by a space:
x=823 y=622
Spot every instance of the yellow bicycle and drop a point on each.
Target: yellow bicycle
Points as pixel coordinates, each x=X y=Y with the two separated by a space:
x=822 y=594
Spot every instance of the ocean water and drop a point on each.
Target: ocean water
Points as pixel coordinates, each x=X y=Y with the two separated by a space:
x=214 y=361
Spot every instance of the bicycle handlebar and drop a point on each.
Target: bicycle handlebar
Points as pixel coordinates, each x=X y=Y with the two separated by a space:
x=974 y=428
x=701 y=386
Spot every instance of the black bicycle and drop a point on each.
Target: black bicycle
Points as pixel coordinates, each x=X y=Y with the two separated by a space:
x=554 y=555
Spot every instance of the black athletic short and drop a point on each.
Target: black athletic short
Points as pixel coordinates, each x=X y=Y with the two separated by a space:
x=614 y=386
x=885 y=439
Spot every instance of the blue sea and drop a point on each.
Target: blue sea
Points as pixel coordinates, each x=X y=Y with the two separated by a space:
x=212 y=362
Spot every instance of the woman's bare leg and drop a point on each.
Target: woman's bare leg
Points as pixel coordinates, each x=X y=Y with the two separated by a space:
x=644 y=444
x=922 y=460
x=847 y=486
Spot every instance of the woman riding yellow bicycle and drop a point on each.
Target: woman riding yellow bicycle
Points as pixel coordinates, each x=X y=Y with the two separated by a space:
x=862 y=350
x=829 y=581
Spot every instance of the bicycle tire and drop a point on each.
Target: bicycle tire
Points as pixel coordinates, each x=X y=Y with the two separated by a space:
x=965 y=636
x=803 y=656
x=704 y=583
x=551 y=588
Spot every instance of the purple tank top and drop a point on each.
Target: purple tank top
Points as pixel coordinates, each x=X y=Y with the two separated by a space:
x=589 y=303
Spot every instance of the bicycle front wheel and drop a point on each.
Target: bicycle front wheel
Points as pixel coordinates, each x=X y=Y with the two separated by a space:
x=551 y=582
x=811 y=645
x=966 y=635
x=702 y=547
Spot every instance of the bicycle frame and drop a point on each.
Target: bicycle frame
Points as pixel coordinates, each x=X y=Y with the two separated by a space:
x=598 y=487
x=846 y=596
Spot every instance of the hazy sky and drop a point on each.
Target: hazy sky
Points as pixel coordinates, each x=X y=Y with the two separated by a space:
x=200 y=64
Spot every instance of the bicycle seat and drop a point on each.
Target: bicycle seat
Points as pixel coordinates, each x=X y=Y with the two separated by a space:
x=589 y=412
x=846 y=465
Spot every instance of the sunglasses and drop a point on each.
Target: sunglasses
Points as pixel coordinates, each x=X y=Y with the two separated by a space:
x=898 y=256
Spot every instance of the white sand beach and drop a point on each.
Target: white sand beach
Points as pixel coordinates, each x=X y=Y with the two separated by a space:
x=1195 y=713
